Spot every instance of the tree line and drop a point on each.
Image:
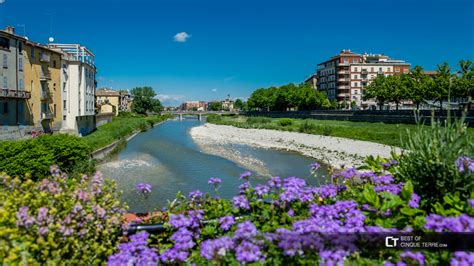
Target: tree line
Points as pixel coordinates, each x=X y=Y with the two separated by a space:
x=419 y=87
x=288 y=97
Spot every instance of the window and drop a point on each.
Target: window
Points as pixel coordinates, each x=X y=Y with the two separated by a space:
x=397 y=70
x=5 y=82
x=4 y=43
x=64 y=86
x=21 y=85
x=355 y=69
x=32 y=52
x=54 y=63
x=354 y=61
x=372 y=69
x=64 y=117
x=5 y=108
x=64 y=105
x=355 y=76
x=356 y=84
x=356 y=92
x=20 y=64
x=5 y=61
x=380 y=69
x=54 y=109
x=388 y=70
x=20 y=47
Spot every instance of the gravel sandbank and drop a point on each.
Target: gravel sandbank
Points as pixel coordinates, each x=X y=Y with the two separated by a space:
x=334 y=151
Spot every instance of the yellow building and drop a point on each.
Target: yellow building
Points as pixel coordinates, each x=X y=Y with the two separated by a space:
x=42 y=72
x=107 y=101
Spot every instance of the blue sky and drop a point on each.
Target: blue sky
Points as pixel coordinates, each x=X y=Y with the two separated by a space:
x=236 y=46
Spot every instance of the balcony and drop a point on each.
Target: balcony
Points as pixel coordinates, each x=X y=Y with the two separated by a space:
x=343 y=87
x=45 y=58
x=343 y=63
x=343 y=79
x=44 y=76
x=47 y=115
x=45 y=95
x=343 y=72
x=364 y=72
x=343 y=95
x=16 y=94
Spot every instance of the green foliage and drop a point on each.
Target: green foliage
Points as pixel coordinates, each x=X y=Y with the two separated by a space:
x=34 y=156
x=429 y=161
x=215 y=106
x=64 y=221
x=288 y=97
x=144 y=101
x=239 y=104
x=121 y=127
x=285 y=122
x=258 y=120
x=307 y=127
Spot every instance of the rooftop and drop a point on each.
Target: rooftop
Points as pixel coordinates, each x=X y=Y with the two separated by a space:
x=106 y=92
x=75 y=52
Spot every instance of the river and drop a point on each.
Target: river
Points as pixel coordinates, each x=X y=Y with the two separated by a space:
x=167 y=158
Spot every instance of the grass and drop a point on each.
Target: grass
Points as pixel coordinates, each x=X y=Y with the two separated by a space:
x=120 y=127
x=388 y=134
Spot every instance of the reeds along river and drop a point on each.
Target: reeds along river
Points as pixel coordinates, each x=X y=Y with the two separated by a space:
x=167 y=157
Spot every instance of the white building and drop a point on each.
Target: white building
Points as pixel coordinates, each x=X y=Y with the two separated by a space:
x=78 y=88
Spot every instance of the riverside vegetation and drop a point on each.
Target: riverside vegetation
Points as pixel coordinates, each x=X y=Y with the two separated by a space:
x=388 y=134
x=77 y=219
x=72 y=154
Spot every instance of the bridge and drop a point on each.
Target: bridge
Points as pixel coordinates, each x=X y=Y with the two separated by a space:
x=199 y=114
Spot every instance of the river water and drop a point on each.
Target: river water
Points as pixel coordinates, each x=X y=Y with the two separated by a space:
x=167 y=157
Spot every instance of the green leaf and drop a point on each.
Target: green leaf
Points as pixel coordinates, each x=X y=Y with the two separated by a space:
x=407 y=190
x=371 y=196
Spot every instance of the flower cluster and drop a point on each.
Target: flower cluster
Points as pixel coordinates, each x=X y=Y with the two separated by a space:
x=143 y=188
x=135 y=252
x=465 y=164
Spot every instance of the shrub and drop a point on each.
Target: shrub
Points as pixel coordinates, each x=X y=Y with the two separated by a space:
x=258 y=120
x=307 y=127
x=212 y=118
x=58 y=220
x=17 y=158
x=285 y=122
x=327 y=130
x=285 y=221
x=430 y=161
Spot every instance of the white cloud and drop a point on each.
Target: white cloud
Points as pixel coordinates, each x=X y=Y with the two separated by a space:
x=214 y=90
x=180 y=37
x=169 y=97
x=2 y=1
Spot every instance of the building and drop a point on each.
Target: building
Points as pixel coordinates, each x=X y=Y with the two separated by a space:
x=107 y=101
x=344 y=77
x=227 y=105
x=78 y=86
x=42 y=70
x=125 y=101
x=312 y=81
x=194 y=106
x=14 y=111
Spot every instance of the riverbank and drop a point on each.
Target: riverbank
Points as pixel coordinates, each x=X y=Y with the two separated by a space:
x=336 y=152
x=388 y=134
x=121 y=127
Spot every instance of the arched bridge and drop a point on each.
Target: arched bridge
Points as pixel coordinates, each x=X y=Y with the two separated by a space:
x=199 y=114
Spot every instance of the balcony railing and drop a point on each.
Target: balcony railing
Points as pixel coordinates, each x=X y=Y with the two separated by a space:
x=46 y=75
x=45 y=95
x=47 y=115
x=45 y=57
x=8 y=93
x=364 y=72
x=343 y=95
x=343 y=87
x=343 y=79
x=343 y=64
x=343 y=72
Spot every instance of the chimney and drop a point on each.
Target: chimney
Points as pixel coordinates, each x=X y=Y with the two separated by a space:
x=10 y=29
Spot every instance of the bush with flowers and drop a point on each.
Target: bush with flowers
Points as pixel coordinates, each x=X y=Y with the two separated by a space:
x=58 y=220
x=287 y=221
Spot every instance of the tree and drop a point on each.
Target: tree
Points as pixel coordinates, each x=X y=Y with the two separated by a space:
x=396 y=86
x=215 y=106
x=442 y=84
x=144 y=101
x=464 y=81
x=378 y=90
x=239 y=104
x=418 y=86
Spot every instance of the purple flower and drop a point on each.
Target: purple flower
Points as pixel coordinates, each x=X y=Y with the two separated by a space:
x=471 y=203
x=291 y=213
x=461 y=258
x=143 y=188
x=438 y=223
x=248 y=252
x=214 y=181
x=173 y=254
x=314 y=166
x=332 y=257
x=219 y=247
x=195 y=218
x=42 y=214
x=43 y=230
x=135 y=252
x=261 y=190
x=23 y=218
x=183 y=239
x=393 y=188
x=243 y=188
x=195 y=195
x=464 y=163
x=414 y=201
x=275 y=182
x=382 y=180
x=226 y=222
x=326 y=191
x=413 y=258
x=347 y=173
x=245 y=175
x=246 y=230
x=241 y=202
x=179 y=220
